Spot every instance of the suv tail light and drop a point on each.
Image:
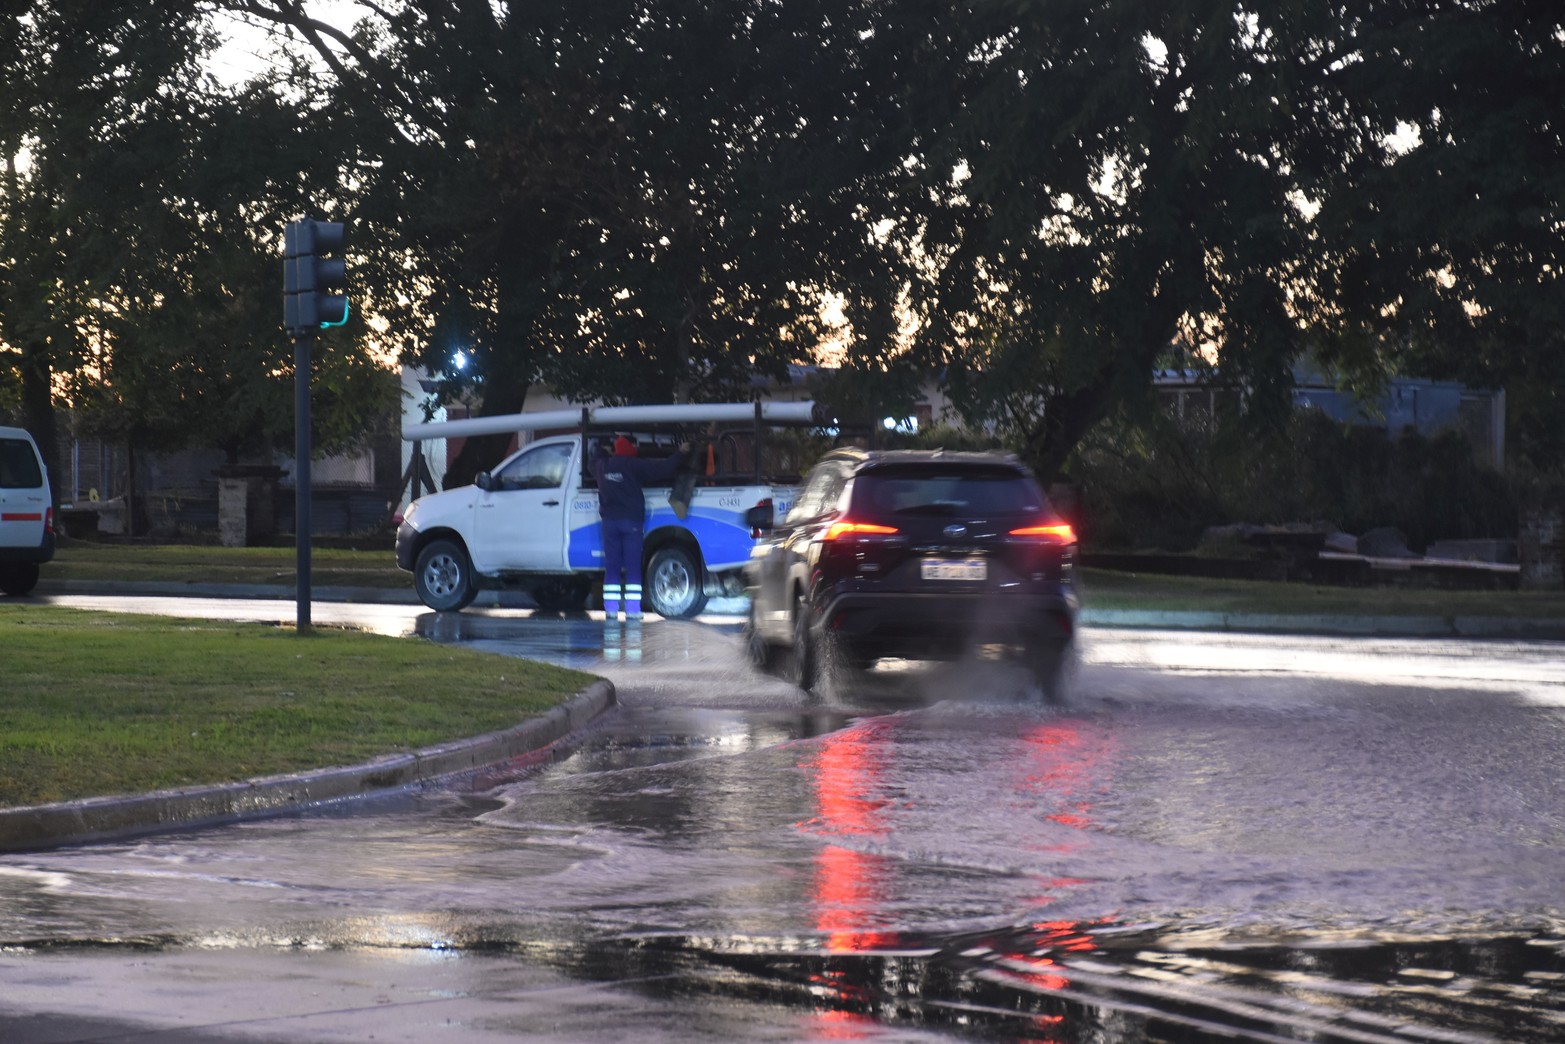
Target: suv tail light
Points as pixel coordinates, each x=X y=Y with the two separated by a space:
x=1050 y=534
x=837 y=530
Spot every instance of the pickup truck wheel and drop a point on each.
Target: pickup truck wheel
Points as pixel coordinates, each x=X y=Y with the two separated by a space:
x=18 y=578
x=673 y=583
x=443 y=577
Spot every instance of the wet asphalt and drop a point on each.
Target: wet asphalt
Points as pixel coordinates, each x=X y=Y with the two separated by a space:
x=1220 y=836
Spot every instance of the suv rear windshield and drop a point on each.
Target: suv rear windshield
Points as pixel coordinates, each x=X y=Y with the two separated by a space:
x=939 y=491
x=19 y=465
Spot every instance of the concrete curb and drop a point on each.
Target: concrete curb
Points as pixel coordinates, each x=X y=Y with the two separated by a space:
x=1362 y=626
x=39 y=827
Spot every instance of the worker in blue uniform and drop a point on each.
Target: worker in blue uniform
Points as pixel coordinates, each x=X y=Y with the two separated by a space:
x=623 y=507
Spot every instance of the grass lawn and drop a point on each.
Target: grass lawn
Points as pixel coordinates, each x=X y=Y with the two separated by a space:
x=329 y=567
x=103 y=703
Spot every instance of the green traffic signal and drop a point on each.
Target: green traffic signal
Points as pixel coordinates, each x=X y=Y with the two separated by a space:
x=310 y=276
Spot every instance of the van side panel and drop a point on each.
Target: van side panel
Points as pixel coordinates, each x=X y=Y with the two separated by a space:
x=25 y=500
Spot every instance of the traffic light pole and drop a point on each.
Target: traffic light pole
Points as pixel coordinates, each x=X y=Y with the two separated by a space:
x=309 y=276
x=302 y=484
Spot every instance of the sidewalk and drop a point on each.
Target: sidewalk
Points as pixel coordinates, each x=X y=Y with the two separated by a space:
x=1367 y=626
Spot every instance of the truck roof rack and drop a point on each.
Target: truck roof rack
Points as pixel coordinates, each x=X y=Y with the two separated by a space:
x=803 y=413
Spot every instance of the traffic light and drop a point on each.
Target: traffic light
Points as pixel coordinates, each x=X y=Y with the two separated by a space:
x=309 y=276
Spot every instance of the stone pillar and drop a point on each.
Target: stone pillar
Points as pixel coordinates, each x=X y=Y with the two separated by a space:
x=245 y=503
x=1540 y=547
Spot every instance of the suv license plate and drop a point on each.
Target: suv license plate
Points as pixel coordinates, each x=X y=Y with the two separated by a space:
x=941 y=569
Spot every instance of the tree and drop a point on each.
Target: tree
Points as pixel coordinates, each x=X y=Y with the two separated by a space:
x=63 y=69
x=628 y=201
x=191 y=321
x=149 y=215
x=1201 y=183
x=1039 y=201
x=1448 y=254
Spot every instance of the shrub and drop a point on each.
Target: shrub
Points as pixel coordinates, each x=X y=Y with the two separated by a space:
x=1160 y=484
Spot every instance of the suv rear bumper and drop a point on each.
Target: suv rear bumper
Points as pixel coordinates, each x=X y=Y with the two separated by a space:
x=945 y=626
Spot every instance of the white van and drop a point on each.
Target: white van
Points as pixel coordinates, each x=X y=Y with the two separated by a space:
x=26 y=512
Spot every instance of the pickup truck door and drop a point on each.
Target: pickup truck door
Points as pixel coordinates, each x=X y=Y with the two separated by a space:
x=519 y=522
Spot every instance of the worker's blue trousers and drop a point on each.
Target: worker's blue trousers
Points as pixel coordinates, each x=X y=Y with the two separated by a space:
x=621 y=554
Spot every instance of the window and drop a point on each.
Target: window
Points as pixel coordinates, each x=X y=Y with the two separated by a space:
x=19 y=465
x=887 y=492
x=541 y=468
x=821 y=492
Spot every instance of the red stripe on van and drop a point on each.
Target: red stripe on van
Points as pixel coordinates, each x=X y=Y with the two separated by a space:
x=17 y=516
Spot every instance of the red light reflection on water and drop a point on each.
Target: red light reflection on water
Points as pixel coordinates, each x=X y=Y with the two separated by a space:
x=849 y=884
x=1065 y=764
x=1062 y=770
x=836 y=1024
x=847 y=773
x=1069 y=936
x=847 y=894
x=1046 y=976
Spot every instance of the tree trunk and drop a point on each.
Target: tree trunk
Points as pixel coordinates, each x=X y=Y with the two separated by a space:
x=135 y=511
x=1066 y=420
x=38 y=410
x=484 y=451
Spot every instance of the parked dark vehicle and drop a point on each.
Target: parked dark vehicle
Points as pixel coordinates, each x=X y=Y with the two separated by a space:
x=919 y=555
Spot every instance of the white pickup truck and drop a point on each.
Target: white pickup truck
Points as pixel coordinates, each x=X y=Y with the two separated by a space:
x=532 y=522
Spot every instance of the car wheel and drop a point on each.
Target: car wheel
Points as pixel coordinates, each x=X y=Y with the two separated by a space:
x=1053 y=668
x=443 y=577
x=806 y=658
x=673 y=583
x=18 y=578
x=562 y=596
x=763 y=655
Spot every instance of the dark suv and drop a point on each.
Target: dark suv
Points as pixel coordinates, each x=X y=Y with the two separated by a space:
x=921 y=555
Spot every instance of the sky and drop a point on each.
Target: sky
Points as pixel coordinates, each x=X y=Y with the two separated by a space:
x=246 y=52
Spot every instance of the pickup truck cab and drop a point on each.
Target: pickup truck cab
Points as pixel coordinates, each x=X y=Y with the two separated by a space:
x=26 y=512
x=532 y=523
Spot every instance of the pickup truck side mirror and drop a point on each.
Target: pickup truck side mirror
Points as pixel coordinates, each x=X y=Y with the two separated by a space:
x=484 y=481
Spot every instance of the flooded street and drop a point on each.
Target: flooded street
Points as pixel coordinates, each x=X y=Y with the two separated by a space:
x=1251 y=837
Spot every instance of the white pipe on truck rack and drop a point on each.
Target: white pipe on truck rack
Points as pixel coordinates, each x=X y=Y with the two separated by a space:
x=617 y=416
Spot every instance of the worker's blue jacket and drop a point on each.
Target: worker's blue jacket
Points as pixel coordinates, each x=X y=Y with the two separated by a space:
x=620 y=482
